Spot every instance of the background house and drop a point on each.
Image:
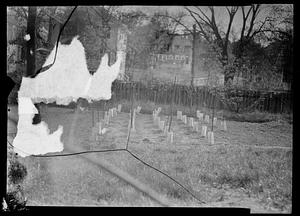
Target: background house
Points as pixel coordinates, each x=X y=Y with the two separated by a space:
x=177 y=61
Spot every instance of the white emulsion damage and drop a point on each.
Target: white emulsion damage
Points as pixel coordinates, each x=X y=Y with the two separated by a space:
x=66 y=80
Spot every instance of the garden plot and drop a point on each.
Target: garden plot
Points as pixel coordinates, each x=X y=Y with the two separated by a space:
x=228 y=173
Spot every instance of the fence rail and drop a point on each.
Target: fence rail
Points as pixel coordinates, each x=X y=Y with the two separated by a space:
x=231 y=99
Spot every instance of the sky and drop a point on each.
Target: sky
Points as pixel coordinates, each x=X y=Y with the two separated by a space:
x=220 y=12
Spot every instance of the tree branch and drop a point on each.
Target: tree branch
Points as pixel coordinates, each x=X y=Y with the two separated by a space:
x=207 y=21
x=254 y=14
x=215 y=28
x=245 y=18
x=24 y=11
x=259 y=29
x=231 y=16
x=200 y=26
x=175 y=20
x=203 y=13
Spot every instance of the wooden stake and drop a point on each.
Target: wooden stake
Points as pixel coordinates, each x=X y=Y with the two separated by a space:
x=129 y=124
x=212 y=139
x=171 y=105
x=196 y=126
x=179 y=115
x=203 y=131
x=184 y=119
x=215 y=121
x=158 y=110
x=192 y=122
x=106 y=117
x=99 y=128
x=133 y=121
x=93 y=118
x=213 y=112
x=224 y=125
x=162 y=125
x=206 y=119
x=97 y=124
x=170 y=137
x=209 y=136
x=111 y=112
x=200 y=117
x=154 y=117
x=94 y=133
x=157 y=120
x=197 y=113
x=166 y=130
x=119 y=108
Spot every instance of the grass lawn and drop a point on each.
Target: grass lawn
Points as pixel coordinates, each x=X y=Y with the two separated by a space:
x=250 y=165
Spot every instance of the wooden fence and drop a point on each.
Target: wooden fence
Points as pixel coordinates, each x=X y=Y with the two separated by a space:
x=233 y=100
x=273 y=102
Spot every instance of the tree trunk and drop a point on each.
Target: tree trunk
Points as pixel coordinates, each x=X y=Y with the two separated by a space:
x=193 y=56
x=50 y=31
x=229 y=73
x=30 y=53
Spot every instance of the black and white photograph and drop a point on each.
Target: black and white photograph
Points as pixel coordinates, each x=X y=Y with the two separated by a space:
x=150 y=106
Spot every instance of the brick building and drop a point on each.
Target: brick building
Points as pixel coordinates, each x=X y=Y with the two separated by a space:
x=177 y=61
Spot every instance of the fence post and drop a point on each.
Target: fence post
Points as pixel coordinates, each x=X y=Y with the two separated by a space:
x=281 y=101
x=202 y=98
x=197 y=98
x=275 y=102
x=265 y=101
x=191 y=99
x=268 y=102
x=258 y=95
x=291 y=101
x=181 y=98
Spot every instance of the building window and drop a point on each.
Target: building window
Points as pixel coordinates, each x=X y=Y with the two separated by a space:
x=187 y=48
x=186 y=60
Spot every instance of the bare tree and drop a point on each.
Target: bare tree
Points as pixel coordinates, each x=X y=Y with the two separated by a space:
x=209 y=29
x=219 y=39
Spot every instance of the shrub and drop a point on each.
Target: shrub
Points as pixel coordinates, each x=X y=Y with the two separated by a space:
x=17 y=172
x=254 y=117
x=15 y=200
